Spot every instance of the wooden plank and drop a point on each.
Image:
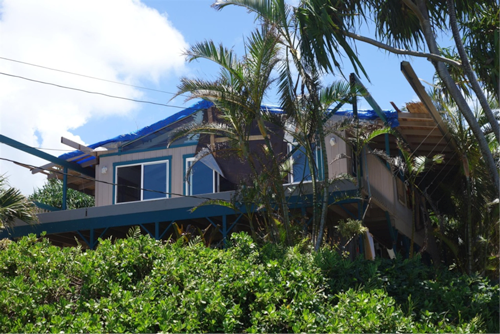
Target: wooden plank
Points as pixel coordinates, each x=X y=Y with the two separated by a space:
x=251 y=138
x=33 y=151
x=426 y=100
x=423 y=117
x=86 y=185
x=417 y=124
x=428 y=140
x=90 y=162
x=50 y=165
x=422 y=132
x=79 y=147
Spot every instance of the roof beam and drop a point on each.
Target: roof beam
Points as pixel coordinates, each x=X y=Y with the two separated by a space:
x=50 y=165
x=33 y=151
x=79 y=147
x=92 y=162
x=414 y=82
x=371 y=101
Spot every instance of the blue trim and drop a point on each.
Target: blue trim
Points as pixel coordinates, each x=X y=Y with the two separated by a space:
x=46 y=207
x=58 y=161
x=141 y=161
x=119 y=153
x=184 y=171
x=144 y=227
x=349 y=212
x=65 y=188
x=84 y=239
x=201 y=105
x=166 y=215
x=165 y=231
x=234 y=223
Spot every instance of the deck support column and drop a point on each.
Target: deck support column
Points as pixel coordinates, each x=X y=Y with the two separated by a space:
x=387 y=148
x=65 y=187
x=392 y=232
x=224 y=231
x=91 y=239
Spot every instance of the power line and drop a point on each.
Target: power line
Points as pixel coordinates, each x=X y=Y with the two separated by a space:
x=48 y=149
x=53 y=149
x=90 y=92
x=87 y=76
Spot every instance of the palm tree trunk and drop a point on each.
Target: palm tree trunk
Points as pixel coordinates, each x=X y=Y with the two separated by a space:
x=412 y=194
x=470 y=74
x=324 y=204
x=454 y=91
x=498 y=90
x=277 y=179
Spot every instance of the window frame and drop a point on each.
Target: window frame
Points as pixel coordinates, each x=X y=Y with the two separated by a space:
x=319 y=163
x=188 y=182
x=165 y=160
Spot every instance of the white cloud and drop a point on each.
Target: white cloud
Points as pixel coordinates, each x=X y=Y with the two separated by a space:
x=121 y=40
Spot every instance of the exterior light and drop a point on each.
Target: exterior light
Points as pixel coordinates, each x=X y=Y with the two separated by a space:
x=333 y=141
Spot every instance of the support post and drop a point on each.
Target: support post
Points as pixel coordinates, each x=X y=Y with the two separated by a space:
x=387 y=148
x=157 y=230
x=92 y=242
x=65 y=187
x=352 y=81
x=361 y=209
x=392 y=231
x=224 y=231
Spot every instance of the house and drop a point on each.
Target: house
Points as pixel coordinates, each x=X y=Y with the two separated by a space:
x=142 y=179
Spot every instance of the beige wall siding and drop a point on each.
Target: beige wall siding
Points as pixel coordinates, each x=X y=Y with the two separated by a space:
x=380 y=180
x=104 y=192
x=340 y=166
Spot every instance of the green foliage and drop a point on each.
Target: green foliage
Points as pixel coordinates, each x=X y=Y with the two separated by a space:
x=52 y=193
x=143 y=285
x=13 y=205
x=351 y=228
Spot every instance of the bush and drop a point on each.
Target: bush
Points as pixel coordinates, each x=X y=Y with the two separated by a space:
x=143 y=285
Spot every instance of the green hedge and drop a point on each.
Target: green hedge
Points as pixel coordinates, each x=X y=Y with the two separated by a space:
x=142 y=285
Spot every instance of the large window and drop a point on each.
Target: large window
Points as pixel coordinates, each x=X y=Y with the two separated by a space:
x=201 y=180
x=301 y=170
x=141 y=182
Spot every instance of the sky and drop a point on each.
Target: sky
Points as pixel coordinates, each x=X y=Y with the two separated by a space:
x=133 y=44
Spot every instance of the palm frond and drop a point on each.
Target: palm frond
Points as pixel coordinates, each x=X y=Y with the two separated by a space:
x=13 y=205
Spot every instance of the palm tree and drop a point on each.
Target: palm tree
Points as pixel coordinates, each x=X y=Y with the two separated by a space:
x=238 y=94
x=325 y=27
x=13 y=205
x=300 y=96
x=470 y=214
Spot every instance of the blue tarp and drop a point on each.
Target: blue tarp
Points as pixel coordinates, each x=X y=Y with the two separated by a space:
x=146 y=130
x=368 y=114
x=391 y=115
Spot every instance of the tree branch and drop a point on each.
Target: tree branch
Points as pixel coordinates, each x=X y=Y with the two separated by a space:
x=400 y=51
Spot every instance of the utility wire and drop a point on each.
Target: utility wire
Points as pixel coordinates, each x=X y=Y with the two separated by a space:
x=88 y=76
x=89 y=92
x=45 y=148
x=29 y=166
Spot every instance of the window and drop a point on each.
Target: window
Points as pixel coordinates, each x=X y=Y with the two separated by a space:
x=300 y=170
x=142 y=182
x=201 y=180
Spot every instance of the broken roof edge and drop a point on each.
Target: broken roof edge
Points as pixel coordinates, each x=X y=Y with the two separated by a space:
x=365 y=114
x=203 y=104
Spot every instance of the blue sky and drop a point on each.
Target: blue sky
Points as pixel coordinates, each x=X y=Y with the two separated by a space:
x=138 y=43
